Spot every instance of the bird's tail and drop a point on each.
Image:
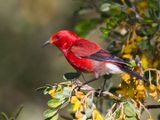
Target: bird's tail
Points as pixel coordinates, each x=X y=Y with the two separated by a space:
x=132 y=73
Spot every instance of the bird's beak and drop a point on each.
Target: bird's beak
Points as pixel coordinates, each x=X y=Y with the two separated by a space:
x=46 y=43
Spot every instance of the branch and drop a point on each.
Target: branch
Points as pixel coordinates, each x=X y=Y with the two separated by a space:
x=152 y=106
x=103 y=93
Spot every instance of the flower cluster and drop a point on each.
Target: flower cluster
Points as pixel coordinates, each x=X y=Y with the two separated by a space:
x=83 y=106
x=134 y=87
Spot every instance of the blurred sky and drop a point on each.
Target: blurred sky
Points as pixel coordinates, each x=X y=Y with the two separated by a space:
x=24 y=64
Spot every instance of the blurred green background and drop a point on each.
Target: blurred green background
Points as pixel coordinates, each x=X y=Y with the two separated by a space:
x=24 y=64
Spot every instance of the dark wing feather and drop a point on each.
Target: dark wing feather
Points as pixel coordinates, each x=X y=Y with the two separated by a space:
x=103 y=55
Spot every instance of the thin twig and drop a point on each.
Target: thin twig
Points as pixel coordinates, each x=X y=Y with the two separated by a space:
x=152 y=106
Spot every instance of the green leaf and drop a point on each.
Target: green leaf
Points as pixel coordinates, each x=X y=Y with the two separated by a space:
x=105 y=7
x=4 y=116
x=71 y=75
x=59 y=95
x=89 y=102
x=129 y=110
x=84 y=117
x=41 y=88
x=128 y=3
x=83 y=27
x=131 y=118
x=132 y=64
x=45 y=92
x=104 y=31
x=59 y=88
x=84 y=11
x=118 y=113
x=115 y=9
x=88 y=112
x=49 y=113
x=55 y=117
x=18 y=111
x=67 y=92
x=144 y=44
x=53 y=103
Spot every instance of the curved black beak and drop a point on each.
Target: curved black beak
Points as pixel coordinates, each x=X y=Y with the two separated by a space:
x=46 y=43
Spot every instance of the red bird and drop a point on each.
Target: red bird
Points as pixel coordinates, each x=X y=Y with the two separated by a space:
x=87 y=56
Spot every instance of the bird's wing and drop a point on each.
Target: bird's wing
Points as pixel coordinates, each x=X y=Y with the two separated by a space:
x=103 y=55
x=86 y=49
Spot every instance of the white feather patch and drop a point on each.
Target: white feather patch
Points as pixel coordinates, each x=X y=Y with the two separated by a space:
x=111 y=68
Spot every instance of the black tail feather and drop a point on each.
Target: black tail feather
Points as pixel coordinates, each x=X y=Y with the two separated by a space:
x=132 y=73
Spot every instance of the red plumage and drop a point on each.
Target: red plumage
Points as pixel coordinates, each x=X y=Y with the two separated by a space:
x=87 y=56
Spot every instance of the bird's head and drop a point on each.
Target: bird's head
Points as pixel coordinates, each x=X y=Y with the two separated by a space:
x=63 y=39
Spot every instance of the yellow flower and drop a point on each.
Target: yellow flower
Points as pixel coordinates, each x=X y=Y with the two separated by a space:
x=152 y=88
x=77 y=105
x=122 y=116
x=138 y=38
x=127 y=56
x=140 y=91
x=76 y=102
x=145 y=63
x=52 y=92
x=140 y=88
x=142 y=6
x=126 y=77
x=74 y=99
x=96 y=115
x=140 y=95
x=128 y=49
x=80 y=94
x=156 y=63
x=154 y=94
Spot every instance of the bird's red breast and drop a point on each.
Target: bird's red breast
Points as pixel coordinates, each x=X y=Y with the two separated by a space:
x=80 y=64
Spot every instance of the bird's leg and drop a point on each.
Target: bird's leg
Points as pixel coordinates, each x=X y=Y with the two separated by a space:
x=91 y=80
x=106 y=77
x=100 y=90
x=103 y=86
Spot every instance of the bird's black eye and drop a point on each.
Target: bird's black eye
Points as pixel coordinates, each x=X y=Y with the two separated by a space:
x=57 y=37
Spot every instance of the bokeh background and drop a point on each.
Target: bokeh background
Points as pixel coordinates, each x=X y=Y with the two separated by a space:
x=24 y=64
